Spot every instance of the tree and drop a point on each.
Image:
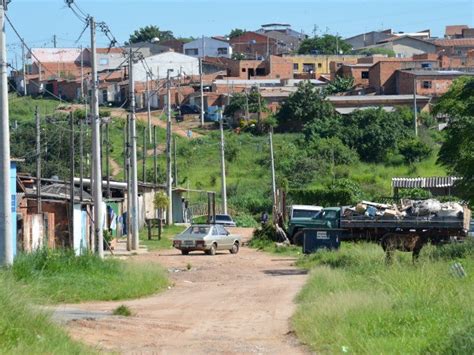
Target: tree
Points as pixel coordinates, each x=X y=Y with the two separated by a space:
x=414 y=150
x=306 y=110
x=147 y=33
x=236 y=32
x=339 y=84
x=239 y=101
x=371 y=51
x=457 y=151
x=326 y=44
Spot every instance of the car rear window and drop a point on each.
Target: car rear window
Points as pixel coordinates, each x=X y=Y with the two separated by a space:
x=221 y=217
x=197 y=230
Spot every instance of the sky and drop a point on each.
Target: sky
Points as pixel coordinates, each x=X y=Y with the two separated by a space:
x=38 y=20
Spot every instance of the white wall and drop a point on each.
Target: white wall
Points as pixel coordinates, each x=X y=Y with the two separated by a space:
x=209 y=48
x=160 y=63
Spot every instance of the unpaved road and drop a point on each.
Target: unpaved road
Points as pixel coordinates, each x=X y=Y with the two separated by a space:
x=225 y=304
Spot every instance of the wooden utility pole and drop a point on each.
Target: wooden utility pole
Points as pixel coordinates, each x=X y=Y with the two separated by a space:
x=38 y=161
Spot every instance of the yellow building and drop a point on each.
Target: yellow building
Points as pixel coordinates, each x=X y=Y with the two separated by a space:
x=318 y=64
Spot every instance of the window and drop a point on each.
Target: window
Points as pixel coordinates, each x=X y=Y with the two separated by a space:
x=191 y=51
x=103 y=61
x=320 y=65
x=244 y=70
x=295 y=66
x=426 y=65
x=308 y=67
x=364 y=75
x=427 y=84
x=222 y=51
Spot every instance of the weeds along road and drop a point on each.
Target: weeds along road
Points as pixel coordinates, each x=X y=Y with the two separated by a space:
x=224 y=304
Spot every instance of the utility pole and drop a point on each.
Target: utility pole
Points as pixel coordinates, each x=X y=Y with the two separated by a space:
x=169 y=210
x=144 y=155
x=175 y=180
x=133 y=137
x=224 y=186
x=71 y=186
x=273 y=173
x=148 y=105
x=202 y=91
x=415 y=109
x=6 y=238
x=82 y=73
x=54 y=41
x=107 y=158
x=23 y=60
x=96 y=163
x=38 y=161
x=129 y=183
x=155 y=173
x=81 y=161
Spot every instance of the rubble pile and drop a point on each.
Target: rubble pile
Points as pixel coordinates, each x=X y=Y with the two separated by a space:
x=406 y=209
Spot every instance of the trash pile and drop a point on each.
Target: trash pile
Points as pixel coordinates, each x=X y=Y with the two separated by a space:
x=406 y=209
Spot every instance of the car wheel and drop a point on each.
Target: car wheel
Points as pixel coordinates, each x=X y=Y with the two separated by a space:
x=235 y=248
x=185 y=252
x=212 y=250
x=298 y=238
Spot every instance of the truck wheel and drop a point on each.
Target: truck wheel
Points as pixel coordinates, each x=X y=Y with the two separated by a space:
x=298 y=238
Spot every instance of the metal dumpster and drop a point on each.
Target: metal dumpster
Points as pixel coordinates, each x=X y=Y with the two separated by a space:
x=316 y=239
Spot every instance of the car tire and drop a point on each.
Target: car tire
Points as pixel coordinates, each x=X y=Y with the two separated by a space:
x=185 y=252
x=298 y=238
x=235 y=248
x=212 y=250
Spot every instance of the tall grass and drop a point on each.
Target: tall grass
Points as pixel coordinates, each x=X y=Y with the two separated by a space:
x=26 y=331
x=355 y=303
x=59 y=276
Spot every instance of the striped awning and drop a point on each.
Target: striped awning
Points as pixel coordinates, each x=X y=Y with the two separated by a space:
x=425 y=182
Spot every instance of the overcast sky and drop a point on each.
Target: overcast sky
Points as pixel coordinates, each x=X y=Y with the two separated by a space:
x=38 y=20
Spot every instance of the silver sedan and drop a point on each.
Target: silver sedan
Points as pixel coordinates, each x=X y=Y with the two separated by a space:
x=208 y=238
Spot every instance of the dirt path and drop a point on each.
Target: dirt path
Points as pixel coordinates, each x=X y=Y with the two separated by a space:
x=181 y=129
x=115 y=167
x=225 y=304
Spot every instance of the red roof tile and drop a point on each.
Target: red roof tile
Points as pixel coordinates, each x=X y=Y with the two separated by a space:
x=454 y=30
x=457 y=42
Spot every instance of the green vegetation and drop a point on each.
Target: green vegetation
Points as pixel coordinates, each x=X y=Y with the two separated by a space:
x=338 y=85
x=354 y=303
x=60 y=276
x=27 y=331
x=123 y=311
x=148 y=33
x=371 y=51
x=236 y=32
x=325 y=44
x=457 y=151
x=166 y=238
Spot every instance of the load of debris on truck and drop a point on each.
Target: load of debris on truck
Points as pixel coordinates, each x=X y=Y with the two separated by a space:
x=406 y=209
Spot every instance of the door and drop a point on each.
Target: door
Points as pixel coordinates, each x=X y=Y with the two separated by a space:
x=226 y=237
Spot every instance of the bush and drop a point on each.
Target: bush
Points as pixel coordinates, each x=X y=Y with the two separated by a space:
x=414 y=194
x=332 y=150
x=453 y=251
x=264 y=235
x=414 y=150
x=243 y=219
x=342 y=192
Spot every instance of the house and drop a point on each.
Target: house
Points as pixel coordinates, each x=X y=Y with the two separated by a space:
x=254 y=45
x=454 y=31
x=428 y=82
x=110 y=58
x=405 y=46
x=286 y=43
x=283 y=28
x=148 y=49
x=159 y=64
x=368 y=39
x=359 y=72
x=208 y=47
x=458 y=47
x=468 y=33
x=317 y=64
x=175 y=44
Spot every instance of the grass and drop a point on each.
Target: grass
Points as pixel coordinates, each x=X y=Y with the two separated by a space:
x=166 y=238
x=60 y=277
x=27 y=331
x=123 y=311
x=353 y=302
x=271 y=247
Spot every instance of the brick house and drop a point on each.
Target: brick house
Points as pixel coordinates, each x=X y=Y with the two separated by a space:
x=254 y=45
x=454 y=31
x=455 y=47
x=360 y=73
x=429 y=83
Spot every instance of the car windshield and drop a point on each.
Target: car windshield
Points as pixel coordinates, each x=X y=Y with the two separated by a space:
x=197 y=230
x=223 y=217
x=304 y=213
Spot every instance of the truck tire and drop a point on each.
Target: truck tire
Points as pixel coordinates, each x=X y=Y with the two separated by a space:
x=298 y=238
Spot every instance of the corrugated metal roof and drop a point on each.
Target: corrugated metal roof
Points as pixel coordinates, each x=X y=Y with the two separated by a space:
x=425 y=182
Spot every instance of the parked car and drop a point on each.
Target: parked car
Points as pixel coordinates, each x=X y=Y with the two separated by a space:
x=225 y=220
x=189 y=109
x=208 y=238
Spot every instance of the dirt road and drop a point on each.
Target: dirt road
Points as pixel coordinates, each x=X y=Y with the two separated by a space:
x=224 y=304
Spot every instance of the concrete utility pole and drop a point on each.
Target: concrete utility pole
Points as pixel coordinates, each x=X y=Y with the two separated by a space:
x=415 y=109
x=81 y=161
x=223 y=179
x=71 y=186
x=175 y=165
x=38 y=161
x=96 y=163
x=6 y=238
x=148 y=106
x=54 y=41
x=202 y=91
x=144 y=152
x=133 y=163
x=82 y=73
x=169 y=182
x=23 y=62
x=273 y=171
x=155 y=173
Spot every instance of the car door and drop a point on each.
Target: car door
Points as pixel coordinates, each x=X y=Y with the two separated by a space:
x=217 y=237
x=226 y=236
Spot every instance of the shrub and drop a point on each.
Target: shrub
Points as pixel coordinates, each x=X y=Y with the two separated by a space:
x=414 y=194
x=332 y=150
x=414 y=150
x=342 y=192
x=243 y=219
x=453 y=251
